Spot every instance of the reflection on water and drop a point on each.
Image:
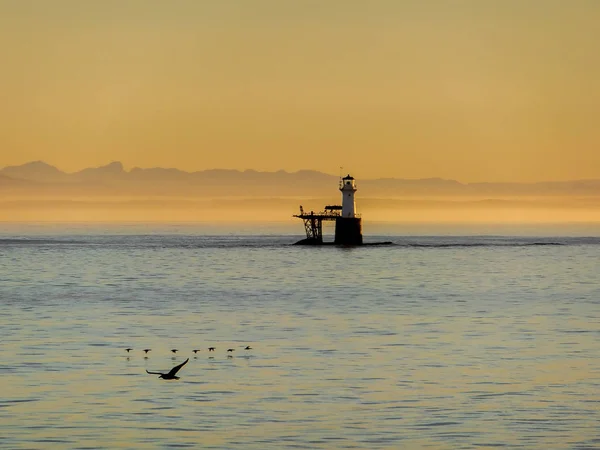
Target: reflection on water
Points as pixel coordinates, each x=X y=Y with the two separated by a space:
x=434 y=342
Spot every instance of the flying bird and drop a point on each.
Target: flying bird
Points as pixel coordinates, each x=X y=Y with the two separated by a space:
x=247 y=348
x=174 y=350
x=128 y=350
x=231 y=349
x=146 y=350
x=171 y=374
x=196 y=351
x=211 y=349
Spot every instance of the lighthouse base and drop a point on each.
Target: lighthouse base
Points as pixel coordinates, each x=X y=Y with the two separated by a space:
x=348 y=231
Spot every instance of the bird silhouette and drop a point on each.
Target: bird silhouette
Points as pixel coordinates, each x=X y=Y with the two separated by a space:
x=171 y=374
x=196 y=351
x=146 y=350
x=128 y=350
x=229 y=350
x=174 y=350
x=211 y=349
x=247 y=348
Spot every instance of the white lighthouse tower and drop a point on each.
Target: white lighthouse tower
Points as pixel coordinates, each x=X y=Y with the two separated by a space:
x=348 y=188
x=348 y=225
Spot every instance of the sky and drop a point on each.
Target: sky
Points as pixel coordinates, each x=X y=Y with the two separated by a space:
x=504 y=90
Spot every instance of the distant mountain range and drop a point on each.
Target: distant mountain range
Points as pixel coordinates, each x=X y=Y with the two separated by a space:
x=112 y=179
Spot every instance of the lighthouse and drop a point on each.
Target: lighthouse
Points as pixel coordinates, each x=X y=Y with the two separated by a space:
x=348 y=226
x=348 y=188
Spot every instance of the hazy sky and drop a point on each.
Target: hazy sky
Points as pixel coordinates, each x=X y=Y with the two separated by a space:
x=475 y=90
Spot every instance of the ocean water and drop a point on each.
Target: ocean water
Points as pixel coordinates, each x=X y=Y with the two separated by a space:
x=441 y=342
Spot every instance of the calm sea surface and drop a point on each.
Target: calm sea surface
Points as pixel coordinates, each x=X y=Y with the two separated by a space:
x=434 y=342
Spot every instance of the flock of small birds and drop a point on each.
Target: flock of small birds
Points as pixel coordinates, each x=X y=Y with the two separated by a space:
x=171 y=375
x=196 y=350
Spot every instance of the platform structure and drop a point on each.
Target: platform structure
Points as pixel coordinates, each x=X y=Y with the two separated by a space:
x=313 y=223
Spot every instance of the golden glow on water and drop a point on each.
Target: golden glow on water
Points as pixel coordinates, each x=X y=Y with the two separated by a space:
x=442 y=347
x=304 y=394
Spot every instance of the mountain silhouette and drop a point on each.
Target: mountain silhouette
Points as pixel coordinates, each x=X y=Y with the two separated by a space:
x=113 y=179
x=9 y=182
x=35 y=171
x=109 y=174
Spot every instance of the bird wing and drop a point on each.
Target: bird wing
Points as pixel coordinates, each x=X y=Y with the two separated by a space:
x=154 y=373
x=175 y=369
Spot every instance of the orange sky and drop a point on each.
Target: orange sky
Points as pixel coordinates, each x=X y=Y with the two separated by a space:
x=470 y=90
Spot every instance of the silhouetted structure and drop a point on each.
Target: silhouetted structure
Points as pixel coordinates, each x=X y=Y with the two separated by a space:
x=348 y=224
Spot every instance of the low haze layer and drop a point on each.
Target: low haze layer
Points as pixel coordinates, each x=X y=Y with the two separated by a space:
x=38 y=191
